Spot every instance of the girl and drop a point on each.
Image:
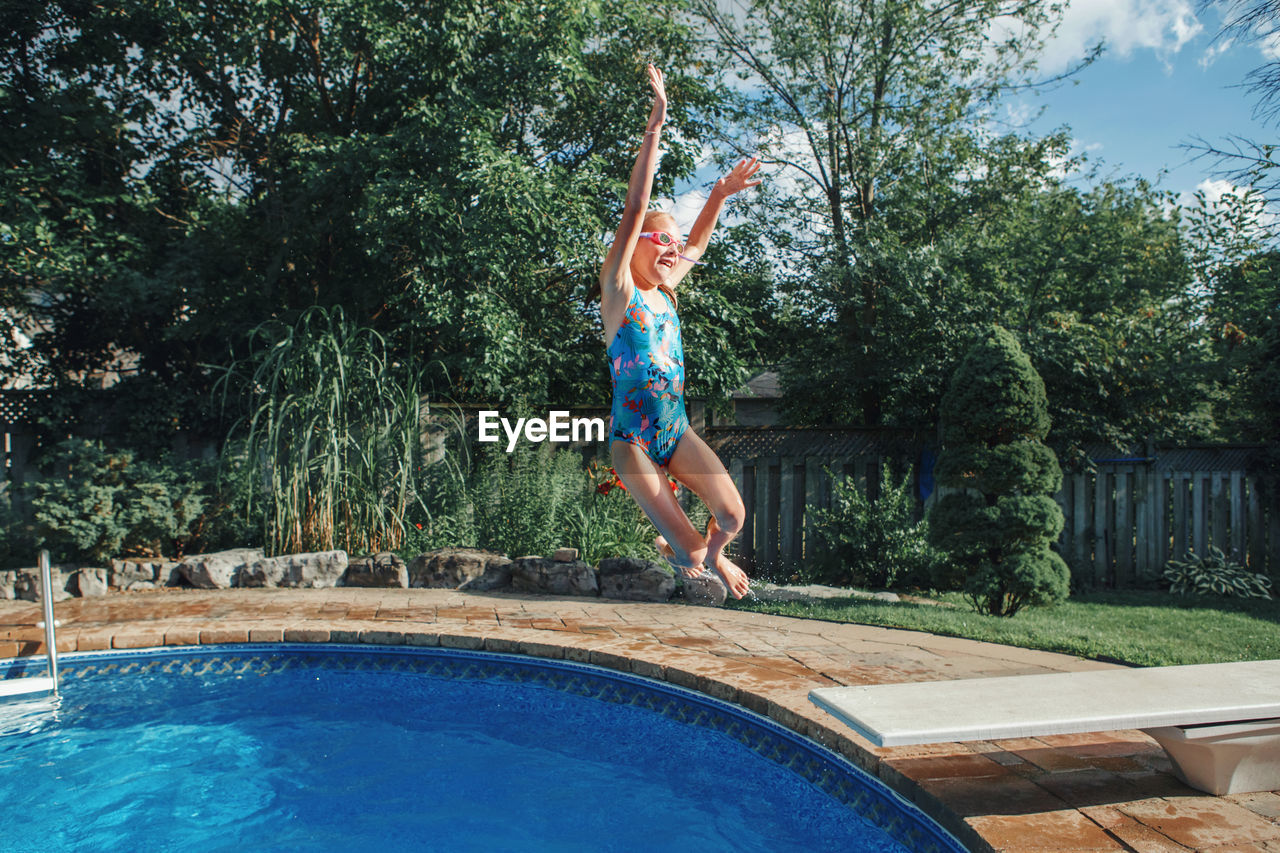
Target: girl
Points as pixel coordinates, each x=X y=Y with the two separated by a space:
x=650 y=431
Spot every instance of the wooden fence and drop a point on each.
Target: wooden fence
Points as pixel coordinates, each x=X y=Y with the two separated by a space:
x=1122 y=523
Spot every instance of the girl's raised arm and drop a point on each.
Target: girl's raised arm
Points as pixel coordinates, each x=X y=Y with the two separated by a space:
x=614 y=275
x=739 y=178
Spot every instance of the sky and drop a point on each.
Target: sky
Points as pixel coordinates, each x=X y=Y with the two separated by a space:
x=1165 y=77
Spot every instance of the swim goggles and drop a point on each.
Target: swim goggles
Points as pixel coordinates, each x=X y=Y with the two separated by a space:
x=663 y=238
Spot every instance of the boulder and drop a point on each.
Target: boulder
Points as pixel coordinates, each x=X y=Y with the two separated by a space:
x=7 y=580
x=313 y=570
x=460 y=568
x=133 y=574
x=538 y=574
x=27 y=584
x=634 y=579
x=89 y=583
x=565 y=555
x=169 y=573
x=383 y=569
x=497 y=575
x=217 y=570
x=707 y=589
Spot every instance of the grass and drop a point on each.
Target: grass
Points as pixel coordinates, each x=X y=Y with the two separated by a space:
x=1141 y=628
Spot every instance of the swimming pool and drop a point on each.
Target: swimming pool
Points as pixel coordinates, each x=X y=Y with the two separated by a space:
x=326 y=748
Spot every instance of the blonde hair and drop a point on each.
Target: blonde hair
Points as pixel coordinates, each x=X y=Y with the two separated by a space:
x=646 y=224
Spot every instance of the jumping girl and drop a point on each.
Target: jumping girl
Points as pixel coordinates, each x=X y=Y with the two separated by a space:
x=649 y=429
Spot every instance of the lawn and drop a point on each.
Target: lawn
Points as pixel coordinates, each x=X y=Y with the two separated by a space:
x=1141 y=628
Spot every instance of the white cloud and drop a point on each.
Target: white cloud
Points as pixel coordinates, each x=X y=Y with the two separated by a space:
x=1215 y=190
x=1215 y=50
x=1125 y=26
x=1265 y=219
x=1270 y=45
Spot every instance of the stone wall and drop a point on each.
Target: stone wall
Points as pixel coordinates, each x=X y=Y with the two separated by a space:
x=624 y=578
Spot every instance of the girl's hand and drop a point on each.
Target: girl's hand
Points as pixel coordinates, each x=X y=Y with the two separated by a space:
x=739 y=178
x=658 y=115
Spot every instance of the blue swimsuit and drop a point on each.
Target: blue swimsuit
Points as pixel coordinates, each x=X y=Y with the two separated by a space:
x=646 y=362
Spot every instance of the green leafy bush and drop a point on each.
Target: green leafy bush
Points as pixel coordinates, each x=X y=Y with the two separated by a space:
x=610 y=525
x=861 y=542
x=531 y=501
x=999 y=518
x=99 y=503
x=521 y=502
x=1214 y=574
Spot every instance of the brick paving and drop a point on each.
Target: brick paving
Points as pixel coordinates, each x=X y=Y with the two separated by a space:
x=1108 y=791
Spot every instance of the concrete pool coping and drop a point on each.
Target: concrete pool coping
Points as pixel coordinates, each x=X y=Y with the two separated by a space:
x=1106 y=791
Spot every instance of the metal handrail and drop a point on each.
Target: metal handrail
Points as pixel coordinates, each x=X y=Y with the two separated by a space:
x=50 y=639
x=38 y=683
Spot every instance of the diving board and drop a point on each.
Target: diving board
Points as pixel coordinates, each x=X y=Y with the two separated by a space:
x=1219 y=723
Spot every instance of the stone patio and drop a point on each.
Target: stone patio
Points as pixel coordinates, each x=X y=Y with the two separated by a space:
x=1108 y=791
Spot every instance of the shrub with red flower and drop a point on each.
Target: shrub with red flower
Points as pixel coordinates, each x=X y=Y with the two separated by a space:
x=606 y=479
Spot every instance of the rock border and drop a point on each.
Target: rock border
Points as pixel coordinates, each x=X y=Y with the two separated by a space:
x=466 y=569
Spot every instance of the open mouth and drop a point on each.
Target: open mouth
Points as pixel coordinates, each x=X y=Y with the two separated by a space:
x=667 y=262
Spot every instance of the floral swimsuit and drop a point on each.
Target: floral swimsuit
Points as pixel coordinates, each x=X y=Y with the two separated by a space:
x=646 y=361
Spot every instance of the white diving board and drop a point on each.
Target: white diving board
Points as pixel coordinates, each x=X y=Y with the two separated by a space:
x=1219 y=723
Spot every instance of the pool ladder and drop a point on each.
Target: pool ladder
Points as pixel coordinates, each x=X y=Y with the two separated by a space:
x=40 y=683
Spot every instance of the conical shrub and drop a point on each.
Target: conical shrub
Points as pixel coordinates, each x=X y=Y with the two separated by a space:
x=998 y=517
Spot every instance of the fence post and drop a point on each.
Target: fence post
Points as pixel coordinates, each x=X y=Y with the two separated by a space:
x=1236 y=496
x=1102 y=524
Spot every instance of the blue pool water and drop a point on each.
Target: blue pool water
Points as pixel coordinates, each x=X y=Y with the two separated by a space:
x=315 y=748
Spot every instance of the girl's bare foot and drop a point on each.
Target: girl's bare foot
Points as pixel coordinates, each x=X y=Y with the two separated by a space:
x=664 y=548
x=735 y=579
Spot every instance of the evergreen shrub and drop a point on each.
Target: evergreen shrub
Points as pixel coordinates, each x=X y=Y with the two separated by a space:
x=998 y=517
x=98 y=504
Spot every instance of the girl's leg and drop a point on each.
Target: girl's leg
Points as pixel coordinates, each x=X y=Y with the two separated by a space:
x=648 y=485
x=697 y=466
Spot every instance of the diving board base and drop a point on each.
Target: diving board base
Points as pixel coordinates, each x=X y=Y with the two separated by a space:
x=1233 y=758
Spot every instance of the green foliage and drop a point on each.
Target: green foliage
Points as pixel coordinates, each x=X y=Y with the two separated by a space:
x=610 y=525
x=1237 y=266
x=522 y=502
x=99 y=504
x=877 y=543
x=442 y=171
x=887 y=155
x=336 y=430
x=532 y=501
x=17 y=538
x=1019 y=466
x=999 y=522
x=1214 y=574
x=996 y=397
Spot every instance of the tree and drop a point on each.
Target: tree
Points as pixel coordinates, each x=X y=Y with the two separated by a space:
x=1000 y=521
x=442 y=171
x=875 y=110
